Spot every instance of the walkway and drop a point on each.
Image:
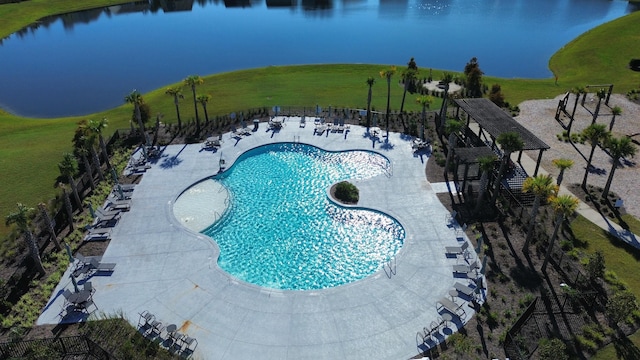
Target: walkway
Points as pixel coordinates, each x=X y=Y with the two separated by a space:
x=171 y=271
x=587 y=211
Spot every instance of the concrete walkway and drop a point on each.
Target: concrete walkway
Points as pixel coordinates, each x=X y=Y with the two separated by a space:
x=171 y=271
x=587 y=211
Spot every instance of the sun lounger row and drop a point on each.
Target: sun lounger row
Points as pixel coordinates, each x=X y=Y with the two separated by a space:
x=179 y=343
x=92 y=265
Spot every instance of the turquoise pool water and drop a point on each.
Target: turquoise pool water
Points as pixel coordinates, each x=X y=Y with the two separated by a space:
x=281 y=231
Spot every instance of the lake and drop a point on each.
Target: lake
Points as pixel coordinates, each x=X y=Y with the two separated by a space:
x=88 y=61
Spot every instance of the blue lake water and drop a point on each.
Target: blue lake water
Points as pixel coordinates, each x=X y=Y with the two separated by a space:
x=282 y=232
x=85 y=62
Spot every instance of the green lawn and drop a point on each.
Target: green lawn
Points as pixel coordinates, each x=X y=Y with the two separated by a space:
x=622 y=259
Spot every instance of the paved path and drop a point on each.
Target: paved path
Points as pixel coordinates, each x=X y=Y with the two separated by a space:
x=586 y=210
x=171 y=271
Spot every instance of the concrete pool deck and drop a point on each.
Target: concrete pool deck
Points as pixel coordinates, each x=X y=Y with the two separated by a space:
x=171 y=271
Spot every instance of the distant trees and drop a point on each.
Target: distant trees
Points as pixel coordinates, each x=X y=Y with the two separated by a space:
x=474 y=78
x=496 y=96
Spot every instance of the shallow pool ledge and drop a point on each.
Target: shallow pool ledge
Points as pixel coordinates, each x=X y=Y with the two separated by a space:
x=201 y=205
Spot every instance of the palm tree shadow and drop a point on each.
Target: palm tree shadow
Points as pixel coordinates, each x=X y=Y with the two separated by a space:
x=625 y=349
x=386 y=145
x=172 y=161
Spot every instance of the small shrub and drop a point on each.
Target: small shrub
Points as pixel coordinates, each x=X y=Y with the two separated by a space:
x=347 y=192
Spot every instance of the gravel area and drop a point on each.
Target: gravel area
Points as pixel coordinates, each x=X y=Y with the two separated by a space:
x=539 y=117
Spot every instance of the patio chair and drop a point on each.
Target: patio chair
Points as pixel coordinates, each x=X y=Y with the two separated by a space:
x=457 y=250
x=98 y=236
x=85 y=306
x=188 y=341
x=146 y=318
x=451 y=306
x=464 y=289
x=88 y=286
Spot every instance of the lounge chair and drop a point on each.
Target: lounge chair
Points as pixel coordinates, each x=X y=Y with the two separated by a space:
x=146 y=318
x=84 y=260
x=466 y=268
x=188 y=341
x=98 y=236
x=457 y=250
x=464 y=289
x=108 y=215
x=118 y=205
x=98 y=266
x=450 y=306
x=303 y=121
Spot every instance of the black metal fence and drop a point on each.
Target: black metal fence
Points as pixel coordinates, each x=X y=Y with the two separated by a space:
x=54 y=348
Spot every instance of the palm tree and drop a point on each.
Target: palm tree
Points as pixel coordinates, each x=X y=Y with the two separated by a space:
x=193 y=81
x=594 y=134
x=21 y=219
x=408 y=76
x=87 y=165
x=370 y=81
x=618 y=148
x=563 y=206
x=451 y=127
x=44 y=213
x=562 y=164
x=136 y=99
x=602 y=93
x=203 y=100
x=96 y=127
x=68 y=169
x=176 y=93
x=388 y=74
x=615 y=111
x=542 y=187
x=425 y=101
x=509 y=142
x=487 y=163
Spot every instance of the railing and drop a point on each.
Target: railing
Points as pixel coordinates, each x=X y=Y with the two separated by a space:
x=54 y=348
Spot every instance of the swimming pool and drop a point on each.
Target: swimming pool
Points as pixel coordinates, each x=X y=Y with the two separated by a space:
x=281 y=231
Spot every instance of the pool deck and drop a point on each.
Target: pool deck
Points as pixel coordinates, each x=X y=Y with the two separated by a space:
x=171 y=271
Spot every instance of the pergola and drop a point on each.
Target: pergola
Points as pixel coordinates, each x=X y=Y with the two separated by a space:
x=494 y=121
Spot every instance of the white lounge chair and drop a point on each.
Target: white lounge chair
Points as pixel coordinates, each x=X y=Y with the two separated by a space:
x=451 y=306
x=464 y=289
x=457 y=250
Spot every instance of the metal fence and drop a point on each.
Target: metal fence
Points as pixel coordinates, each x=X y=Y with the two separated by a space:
x=54 y=348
